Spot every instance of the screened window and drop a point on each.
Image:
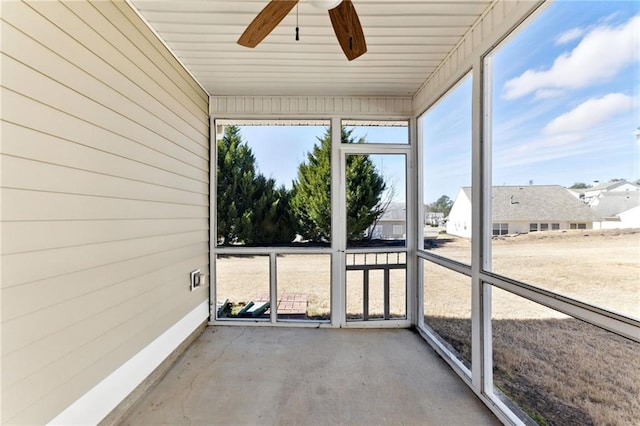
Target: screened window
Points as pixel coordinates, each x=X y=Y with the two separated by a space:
x=446 y=178
x=376 y=187
x=273 y=183
x=563 y=114
x=378 y=131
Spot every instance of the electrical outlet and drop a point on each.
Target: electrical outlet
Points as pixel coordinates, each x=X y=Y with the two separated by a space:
x=196 y=279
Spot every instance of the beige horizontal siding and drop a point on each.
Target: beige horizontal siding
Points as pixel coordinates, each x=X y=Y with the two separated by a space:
x=34 y=205
x=55 y=178
x=27 y=113
x=35 y=55
x=20 y=237
x=51 y=149
x=105 y=198
x=66 y=260
x=37 y=295
x=154 y=47
x=48 y=322
x=101 y=315
x=36 y=85
x=59 y=29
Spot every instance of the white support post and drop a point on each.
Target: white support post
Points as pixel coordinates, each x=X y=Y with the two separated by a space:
x=338 y=245
x=477 y=180
x=213 y=161
x=418 y=142
x=273 y=287
x=485 y=72
x=413 y=225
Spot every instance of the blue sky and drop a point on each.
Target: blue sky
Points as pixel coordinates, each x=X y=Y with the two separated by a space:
x=279 y=149
x=565 y=101
x=565 y=108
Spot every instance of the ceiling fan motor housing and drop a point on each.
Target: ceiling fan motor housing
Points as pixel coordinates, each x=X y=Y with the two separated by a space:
x=325 y=4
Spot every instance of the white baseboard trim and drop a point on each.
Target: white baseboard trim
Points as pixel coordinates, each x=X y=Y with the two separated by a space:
x=98 y=402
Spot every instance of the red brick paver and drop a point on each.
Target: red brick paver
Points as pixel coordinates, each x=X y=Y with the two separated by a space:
x=288 y=303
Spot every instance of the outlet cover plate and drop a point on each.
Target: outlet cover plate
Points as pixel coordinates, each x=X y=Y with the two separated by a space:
x=195 y=280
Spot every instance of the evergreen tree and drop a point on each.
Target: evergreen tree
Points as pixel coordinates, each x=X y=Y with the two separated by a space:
x=236 y=175
x=364 y=192
x=273 y=221
x=311 y=200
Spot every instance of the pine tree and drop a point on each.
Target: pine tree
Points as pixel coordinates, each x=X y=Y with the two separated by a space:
x=273 y=222
x=250 y=210
x=235 y=175
x=364 y=192
x=311 y=200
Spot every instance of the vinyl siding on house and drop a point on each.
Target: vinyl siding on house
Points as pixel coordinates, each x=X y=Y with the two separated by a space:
x=104 y=173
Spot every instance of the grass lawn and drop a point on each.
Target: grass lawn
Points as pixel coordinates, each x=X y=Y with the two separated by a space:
x=557 y=369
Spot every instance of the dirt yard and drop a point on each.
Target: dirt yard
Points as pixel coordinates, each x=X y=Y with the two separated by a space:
x=598 y=267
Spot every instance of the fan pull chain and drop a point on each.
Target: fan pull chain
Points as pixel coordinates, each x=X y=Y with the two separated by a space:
x=297 y=27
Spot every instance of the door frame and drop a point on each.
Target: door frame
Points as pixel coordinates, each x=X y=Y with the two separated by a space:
x=339 y=154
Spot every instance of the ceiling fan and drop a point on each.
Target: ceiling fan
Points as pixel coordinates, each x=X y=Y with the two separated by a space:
x=343 y=16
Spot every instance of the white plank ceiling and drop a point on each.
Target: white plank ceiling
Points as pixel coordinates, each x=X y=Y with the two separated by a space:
x=406 y=41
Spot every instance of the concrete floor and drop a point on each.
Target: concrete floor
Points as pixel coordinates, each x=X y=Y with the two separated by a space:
x=300 y=376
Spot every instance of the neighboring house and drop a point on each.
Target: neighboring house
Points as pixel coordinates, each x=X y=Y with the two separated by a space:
x=459 y=220
x=620 y=186
x=393 y=223
x=433 y=218
x=617 y=209
x=523 y=209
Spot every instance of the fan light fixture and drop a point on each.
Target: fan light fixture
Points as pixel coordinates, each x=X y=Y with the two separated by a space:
x=344 y=20
x=325 y=4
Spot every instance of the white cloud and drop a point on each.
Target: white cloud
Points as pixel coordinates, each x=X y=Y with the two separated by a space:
x=590 y=113
x=600 y=55
x=549 y=93
x=569 y=35
x=541 y=149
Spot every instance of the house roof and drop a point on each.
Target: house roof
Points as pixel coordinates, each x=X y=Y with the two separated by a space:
x=394 y=212
x=536 y=203
x=608 y=186
x=610 y=204
x=406 y=43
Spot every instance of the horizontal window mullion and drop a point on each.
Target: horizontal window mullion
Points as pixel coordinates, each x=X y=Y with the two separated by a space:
x=269 y=250
x=610 y=321
x=454 y=265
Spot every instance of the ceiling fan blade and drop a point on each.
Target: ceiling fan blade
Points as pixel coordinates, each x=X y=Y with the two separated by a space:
x=348 y=29
x=269 y=18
